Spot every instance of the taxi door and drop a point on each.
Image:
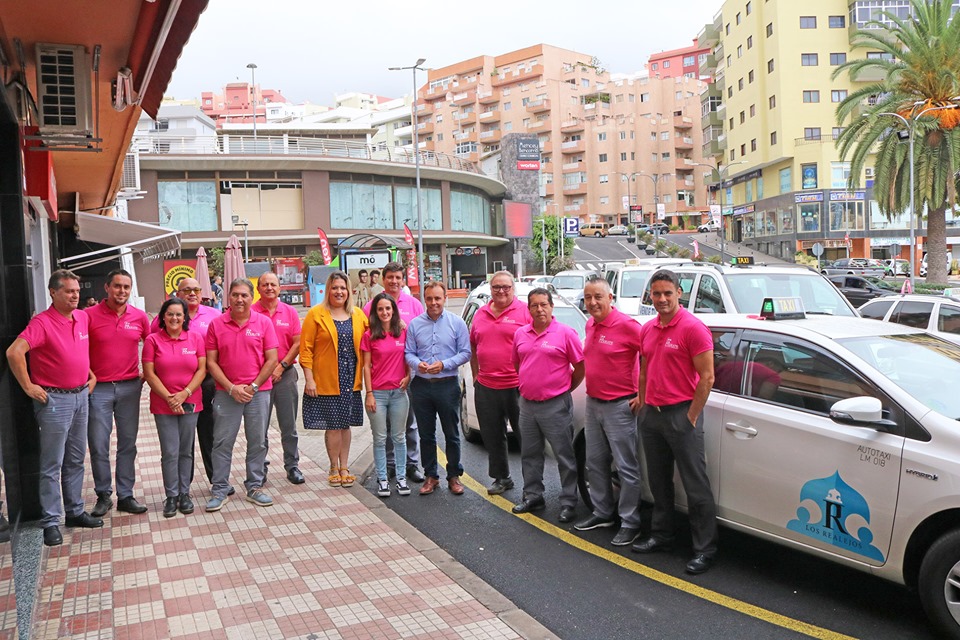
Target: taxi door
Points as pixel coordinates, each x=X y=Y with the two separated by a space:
x=787 y=469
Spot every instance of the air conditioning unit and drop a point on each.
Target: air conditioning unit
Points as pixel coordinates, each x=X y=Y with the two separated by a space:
x=868 y=172
x=130 y=178
x=63 y=89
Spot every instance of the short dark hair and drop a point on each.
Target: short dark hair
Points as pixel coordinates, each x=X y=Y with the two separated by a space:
x=241 y=281
x=58 y=276
x=540 y=291
x=169 y=303
x=376 y=327
x=665 y=275
x=118 y=272
x=375 y=272
x=390 y=267
x=362 y=272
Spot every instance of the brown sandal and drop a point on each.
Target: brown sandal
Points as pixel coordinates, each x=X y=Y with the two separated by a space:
x=346 y=478
x=334 y=479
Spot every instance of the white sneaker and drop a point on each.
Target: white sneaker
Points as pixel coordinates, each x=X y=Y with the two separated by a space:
x=383 y=488
x=402 y=487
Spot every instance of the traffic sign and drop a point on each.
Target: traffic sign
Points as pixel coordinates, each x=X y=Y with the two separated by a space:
x=571 y=227
x=817 y=249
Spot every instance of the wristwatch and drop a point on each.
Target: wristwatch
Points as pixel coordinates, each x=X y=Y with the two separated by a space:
x=284 y=365
x=255 y=387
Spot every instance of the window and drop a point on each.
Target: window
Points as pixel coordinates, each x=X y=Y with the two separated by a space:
x=876 y=310
x=689 y=61
x=601 y=137
x=191 y=206
x=604 y=178
x=743 y=150
x=772 y=102
x=623 y=156
x=838 y=95
x=665 y=156
x=507 y=106
x=839 y=174
x=708 y=298
x=878 y=55
x=769 y=29
x=740 y=84
x=753 y=110
x=604 y=199
x=837 y=22
x=913 y=314
x=847 y=216
x=811 y=133
x=603 y=157
x=729 y=92
x=836 y=59
x=727 y=29
x=836 y=132
x=808 y=22
x=753 y=145
x=731 y=124
x=743 y=117
x=748 y=191
x=948 y=320
x=749 y=42
x=773 y=138
x=729 y=60
x=786 y=180
x=654 y=66
x=750 y=77
x=740 y=51
x=809 y=59
x=770 y=65
x=811 y=96
x=749 y=8
x=623 y=135
x=666 y=64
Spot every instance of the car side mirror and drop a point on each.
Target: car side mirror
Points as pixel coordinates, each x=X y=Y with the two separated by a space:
x=861 y=411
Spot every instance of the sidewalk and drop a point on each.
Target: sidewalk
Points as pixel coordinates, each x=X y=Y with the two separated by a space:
x=734 y=249
x=321 y=563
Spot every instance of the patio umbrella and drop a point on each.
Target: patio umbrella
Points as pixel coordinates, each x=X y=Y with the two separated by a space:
x=203 y=275
x=233 y=262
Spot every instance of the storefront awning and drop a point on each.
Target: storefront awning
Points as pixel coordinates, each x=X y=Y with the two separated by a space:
x=149 y=241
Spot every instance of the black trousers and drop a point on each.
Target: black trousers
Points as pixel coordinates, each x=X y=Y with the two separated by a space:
x=494 y=407
x=205 y=426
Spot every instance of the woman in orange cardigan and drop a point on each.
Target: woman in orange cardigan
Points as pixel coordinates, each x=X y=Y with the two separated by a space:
x=330 y=355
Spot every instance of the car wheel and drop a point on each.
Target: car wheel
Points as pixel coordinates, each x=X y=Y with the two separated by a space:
x=597 y=234
x=470 y=435
x=580 y=450
x=939 y=584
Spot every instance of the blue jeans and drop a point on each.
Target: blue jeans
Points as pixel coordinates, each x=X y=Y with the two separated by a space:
x=392 y=404
x=63 y=445
x=432 y=399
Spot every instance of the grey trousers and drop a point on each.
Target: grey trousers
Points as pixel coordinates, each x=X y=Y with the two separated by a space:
x=550 y=421
x=285 y=398
x=227 y=414
x=611 y=436
x=111 y=401
x=494 y=408
x=63 y=445
x=413 y=440
x=176 y=451
x=669 y=438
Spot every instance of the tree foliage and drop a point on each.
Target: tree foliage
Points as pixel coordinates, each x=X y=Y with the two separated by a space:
x=554 y=264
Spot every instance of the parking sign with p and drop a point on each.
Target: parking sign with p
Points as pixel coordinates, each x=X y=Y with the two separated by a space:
x=571 y=227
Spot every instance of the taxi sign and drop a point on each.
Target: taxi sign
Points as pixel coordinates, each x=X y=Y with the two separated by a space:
x=741 y=260
x=782 y=309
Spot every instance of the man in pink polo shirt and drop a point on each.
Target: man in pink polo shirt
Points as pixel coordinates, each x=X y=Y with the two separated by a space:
x=241 y=356
x=675 y=381
x=548 y=358
x=59 y=381
x=201 y=316
x=286 y=322
x=495 y=386
x=409 y=308
x=116 y=332
x=611 y=359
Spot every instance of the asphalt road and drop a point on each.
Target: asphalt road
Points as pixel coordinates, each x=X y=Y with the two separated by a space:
x=580 y=586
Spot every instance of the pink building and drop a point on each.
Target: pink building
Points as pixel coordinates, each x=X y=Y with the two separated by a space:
x=235 y=104
x=677 y=63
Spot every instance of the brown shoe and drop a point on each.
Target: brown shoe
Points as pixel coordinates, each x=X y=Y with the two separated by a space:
x=456 y=487
x=429 y=485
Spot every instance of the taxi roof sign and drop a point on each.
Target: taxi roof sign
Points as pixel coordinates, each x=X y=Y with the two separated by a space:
x=782 y=309
x=739 y=261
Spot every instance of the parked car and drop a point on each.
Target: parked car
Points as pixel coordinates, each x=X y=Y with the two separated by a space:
x=853 y=266
x=659 y=227
x=858 y=289
x=896 y=267
x=923 y=263
x=939 y=315
x=709 y=225
x=569 y=284
x=617 y=230
x=628 y=281
x=596 y=229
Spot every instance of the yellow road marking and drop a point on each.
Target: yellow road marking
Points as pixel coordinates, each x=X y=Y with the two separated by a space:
x=690 y=588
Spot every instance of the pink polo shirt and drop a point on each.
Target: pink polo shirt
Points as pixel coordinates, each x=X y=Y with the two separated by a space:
x=286 y=322
x=241 y=351
x=408 y=306
x=491 y=339
x=198 y=323
x=115 y=341
x=387 y=366
x=59 y=349
x=611 y=356
x=546 y=359
x=669 y=350
x=175 y=361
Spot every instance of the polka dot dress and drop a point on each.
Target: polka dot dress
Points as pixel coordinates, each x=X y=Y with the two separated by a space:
x=345 y=410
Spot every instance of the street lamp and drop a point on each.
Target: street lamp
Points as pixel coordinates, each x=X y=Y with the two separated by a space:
x=911 y=125
x=253 y=94
x=544 y=243
x=655 y=178
x=416 y=160
x=627 y=177
x=722 y=173
x=246 y=241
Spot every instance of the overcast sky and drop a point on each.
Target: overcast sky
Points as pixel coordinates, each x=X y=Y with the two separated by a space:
x=312 y=50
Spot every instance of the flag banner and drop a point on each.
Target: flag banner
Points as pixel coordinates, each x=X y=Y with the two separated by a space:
x=325 y=247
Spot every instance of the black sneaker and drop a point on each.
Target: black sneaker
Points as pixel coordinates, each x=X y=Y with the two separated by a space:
x=185 y=504
x=104 y=504
x=170 y=507
x=625 y=536
x=593 y=522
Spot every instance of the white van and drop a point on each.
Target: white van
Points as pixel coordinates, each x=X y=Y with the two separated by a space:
x=923 y=264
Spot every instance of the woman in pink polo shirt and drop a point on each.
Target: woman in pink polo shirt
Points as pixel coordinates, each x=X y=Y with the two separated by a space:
x=174 y=365
x=386 y=376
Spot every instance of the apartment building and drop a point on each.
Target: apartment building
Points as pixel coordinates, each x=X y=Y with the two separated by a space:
x=606 y=140
x=769 y=120
x=685 y=61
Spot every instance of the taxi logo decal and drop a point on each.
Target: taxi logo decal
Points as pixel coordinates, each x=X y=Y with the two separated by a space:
x=832 y=511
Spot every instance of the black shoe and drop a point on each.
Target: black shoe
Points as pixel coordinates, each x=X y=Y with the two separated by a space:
x=185 y=504
x=52 y=536
x=130 y=505
x=499 y=486
x=414 y=474
x=4 y=524
x=231 y=491
x=84 y=520
x=104 y=504
x=699 y=564
x=567 y=514
x=169 y=507
x=295 y=476
x=651 y=545
x=593 y=522
x=625 y=536
x=529 y=505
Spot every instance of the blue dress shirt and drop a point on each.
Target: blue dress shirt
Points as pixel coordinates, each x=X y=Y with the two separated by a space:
x=445 y=339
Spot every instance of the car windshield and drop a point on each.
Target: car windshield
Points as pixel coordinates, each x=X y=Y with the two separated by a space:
x=572 y=318
x=633 y=282
x=818 y=294
x=883 y=284
x=918 y=363
x=568 y=282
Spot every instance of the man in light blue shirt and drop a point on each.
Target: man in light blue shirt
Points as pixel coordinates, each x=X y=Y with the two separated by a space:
x=437 y=344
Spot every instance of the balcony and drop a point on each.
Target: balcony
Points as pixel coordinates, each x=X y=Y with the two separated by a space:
x=491 y=136
x=546 y=146
x=571 y=166
x=683 y=144
x=537 y=125
x=709 y=64
x=709 y=36
x=424 y=109
x=488 y=97
x=688 y=182
x=682 y=122
x=572 y=146
x=712 y=119
x=424 y=128
x=464 y=97
x=572 y=208
x=490 y=116
x=571 y=126
x=467 y=119
x=683 y=164
x=575 y=189
x=403 y=132
x=466 y=136
x=538 y=106
x=714 y=147
x=517 y=75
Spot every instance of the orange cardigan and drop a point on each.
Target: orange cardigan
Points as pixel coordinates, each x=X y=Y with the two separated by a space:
x=318 y=348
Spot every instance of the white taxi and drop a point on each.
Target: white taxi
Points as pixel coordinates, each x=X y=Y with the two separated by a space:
x=837 y=436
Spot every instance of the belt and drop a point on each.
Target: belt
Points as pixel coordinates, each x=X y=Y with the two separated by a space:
x=118 y=381
x=58 y=390
x=436 y=380
x=548 y=399
x=670 y=407
x=620 y=399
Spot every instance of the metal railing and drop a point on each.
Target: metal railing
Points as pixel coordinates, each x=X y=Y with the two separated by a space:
x=164 y=145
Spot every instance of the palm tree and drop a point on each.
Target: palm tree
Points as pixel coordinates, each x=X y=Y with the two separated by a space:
x=920 y=65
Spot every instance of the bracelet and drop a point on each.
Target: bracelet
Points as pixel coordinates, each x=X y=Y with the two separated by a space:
x=230 y=393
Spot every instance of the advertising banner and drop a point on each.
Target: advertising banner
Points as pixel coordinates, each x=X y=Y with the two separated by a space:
x=174 y=271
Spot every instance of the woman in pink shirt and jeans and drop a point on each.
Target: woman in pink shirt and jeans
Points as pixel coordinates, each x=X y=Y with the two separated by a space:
x=385 y=377
x=174 y=365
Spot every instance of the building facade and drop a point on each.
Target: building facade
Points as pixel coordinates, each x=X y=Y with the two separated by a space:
x=683 y=62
